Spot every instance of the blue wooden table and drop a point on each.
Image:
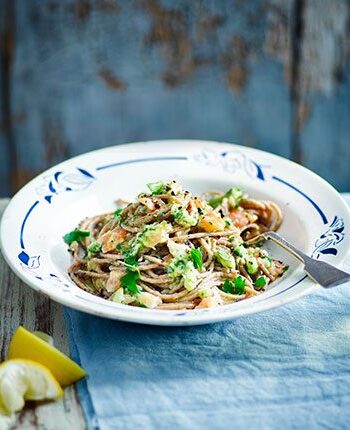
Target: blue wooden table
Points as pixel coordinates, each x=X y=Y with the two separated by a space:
x=83 y=74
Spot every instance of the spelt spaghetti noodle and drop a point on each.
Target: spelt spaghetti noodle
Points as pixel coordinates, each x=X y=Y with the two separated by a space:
x=172 y=250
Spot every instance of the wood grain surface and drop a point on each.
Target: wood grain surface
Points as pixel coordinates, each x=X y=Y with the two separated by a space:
x=19 y=304
x=77 y=75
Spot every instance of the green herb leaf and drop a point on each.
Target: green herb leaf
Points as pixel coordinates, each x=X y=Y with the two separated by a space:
x=225 y=258
x=228 y=287
x=118 y=215
x=129 y=281
x=156 y=188
x=177 y=267
x=252 y=265
x=183 y=217
x=240 y=251
x=235 y=287
x=216 y=201
x=239 y=285
x=75 y=236
x=197 y=258
x=94 y=248
x=234 y=195
x=131 y=262
x=285 y=268
x=260 y=282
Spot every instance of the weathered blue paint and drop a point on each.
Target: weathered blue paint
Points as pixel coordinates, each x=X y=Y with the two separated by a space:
x=85 y=77
x=326 y=137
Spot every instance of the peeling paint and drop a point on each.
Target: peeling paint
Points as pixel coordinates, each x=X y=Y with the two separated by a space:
x=277 y=41
x=169 y=30
x=179 y=42
x=55 y=147
x=236 y=78
x=209 y=23
x=111 y=80
x=82 y=9
x=327 y=31
x=110 y=6
x=302 y=115
x=17 y=118
x=234 y=61
x=325 y=47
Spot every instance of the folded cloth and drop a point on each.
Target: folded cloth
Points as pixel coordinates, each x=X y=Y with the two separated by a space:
x=286 y=368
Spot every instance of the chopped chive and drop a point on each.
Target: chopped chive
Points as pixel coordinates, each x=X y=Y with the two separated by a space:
x=197 y=258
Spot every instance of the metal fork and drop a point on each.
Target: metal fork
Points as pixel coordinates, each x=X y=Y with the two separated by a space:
x=323 y=273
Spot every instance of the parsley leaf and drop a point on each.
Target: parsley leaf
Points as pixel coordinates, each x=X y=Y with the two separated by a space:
x=75 y=236
x=239 y=284
x=131 y=262
x=285 y=268
x=197 y=258
x=235 y=287
x=260 y=282
x=129 y=281
x=228 y=287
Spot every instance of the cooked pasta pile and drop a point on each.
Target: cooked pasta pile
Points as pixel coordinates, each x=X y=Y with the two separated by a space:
x=172 y=250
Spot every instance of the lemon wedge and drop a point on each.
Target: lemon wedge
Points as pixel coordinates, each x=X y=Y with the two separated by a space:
x=25 y=344
x=22 y=380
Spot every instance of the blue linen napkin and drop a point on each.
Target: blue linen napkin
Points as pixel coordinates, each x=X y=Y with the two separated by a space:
x=287 y=368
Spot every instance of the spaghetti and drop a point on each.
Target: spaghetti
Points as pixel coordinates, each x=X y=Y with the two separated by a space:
x=172 y=250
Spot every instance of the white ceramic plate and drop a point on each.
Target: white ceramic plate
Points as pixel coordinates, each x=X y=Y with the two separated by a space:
x=316 y=218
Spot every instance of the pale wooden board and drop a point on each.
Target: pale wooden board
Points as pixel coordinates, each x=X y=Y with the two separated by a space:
x=19 y=304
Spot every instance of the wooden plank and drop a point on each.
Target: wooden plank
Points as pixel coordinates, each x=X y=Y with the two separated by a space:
x=19 y=304
x=324 y=89
x=318 y=72
x=8 y=154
